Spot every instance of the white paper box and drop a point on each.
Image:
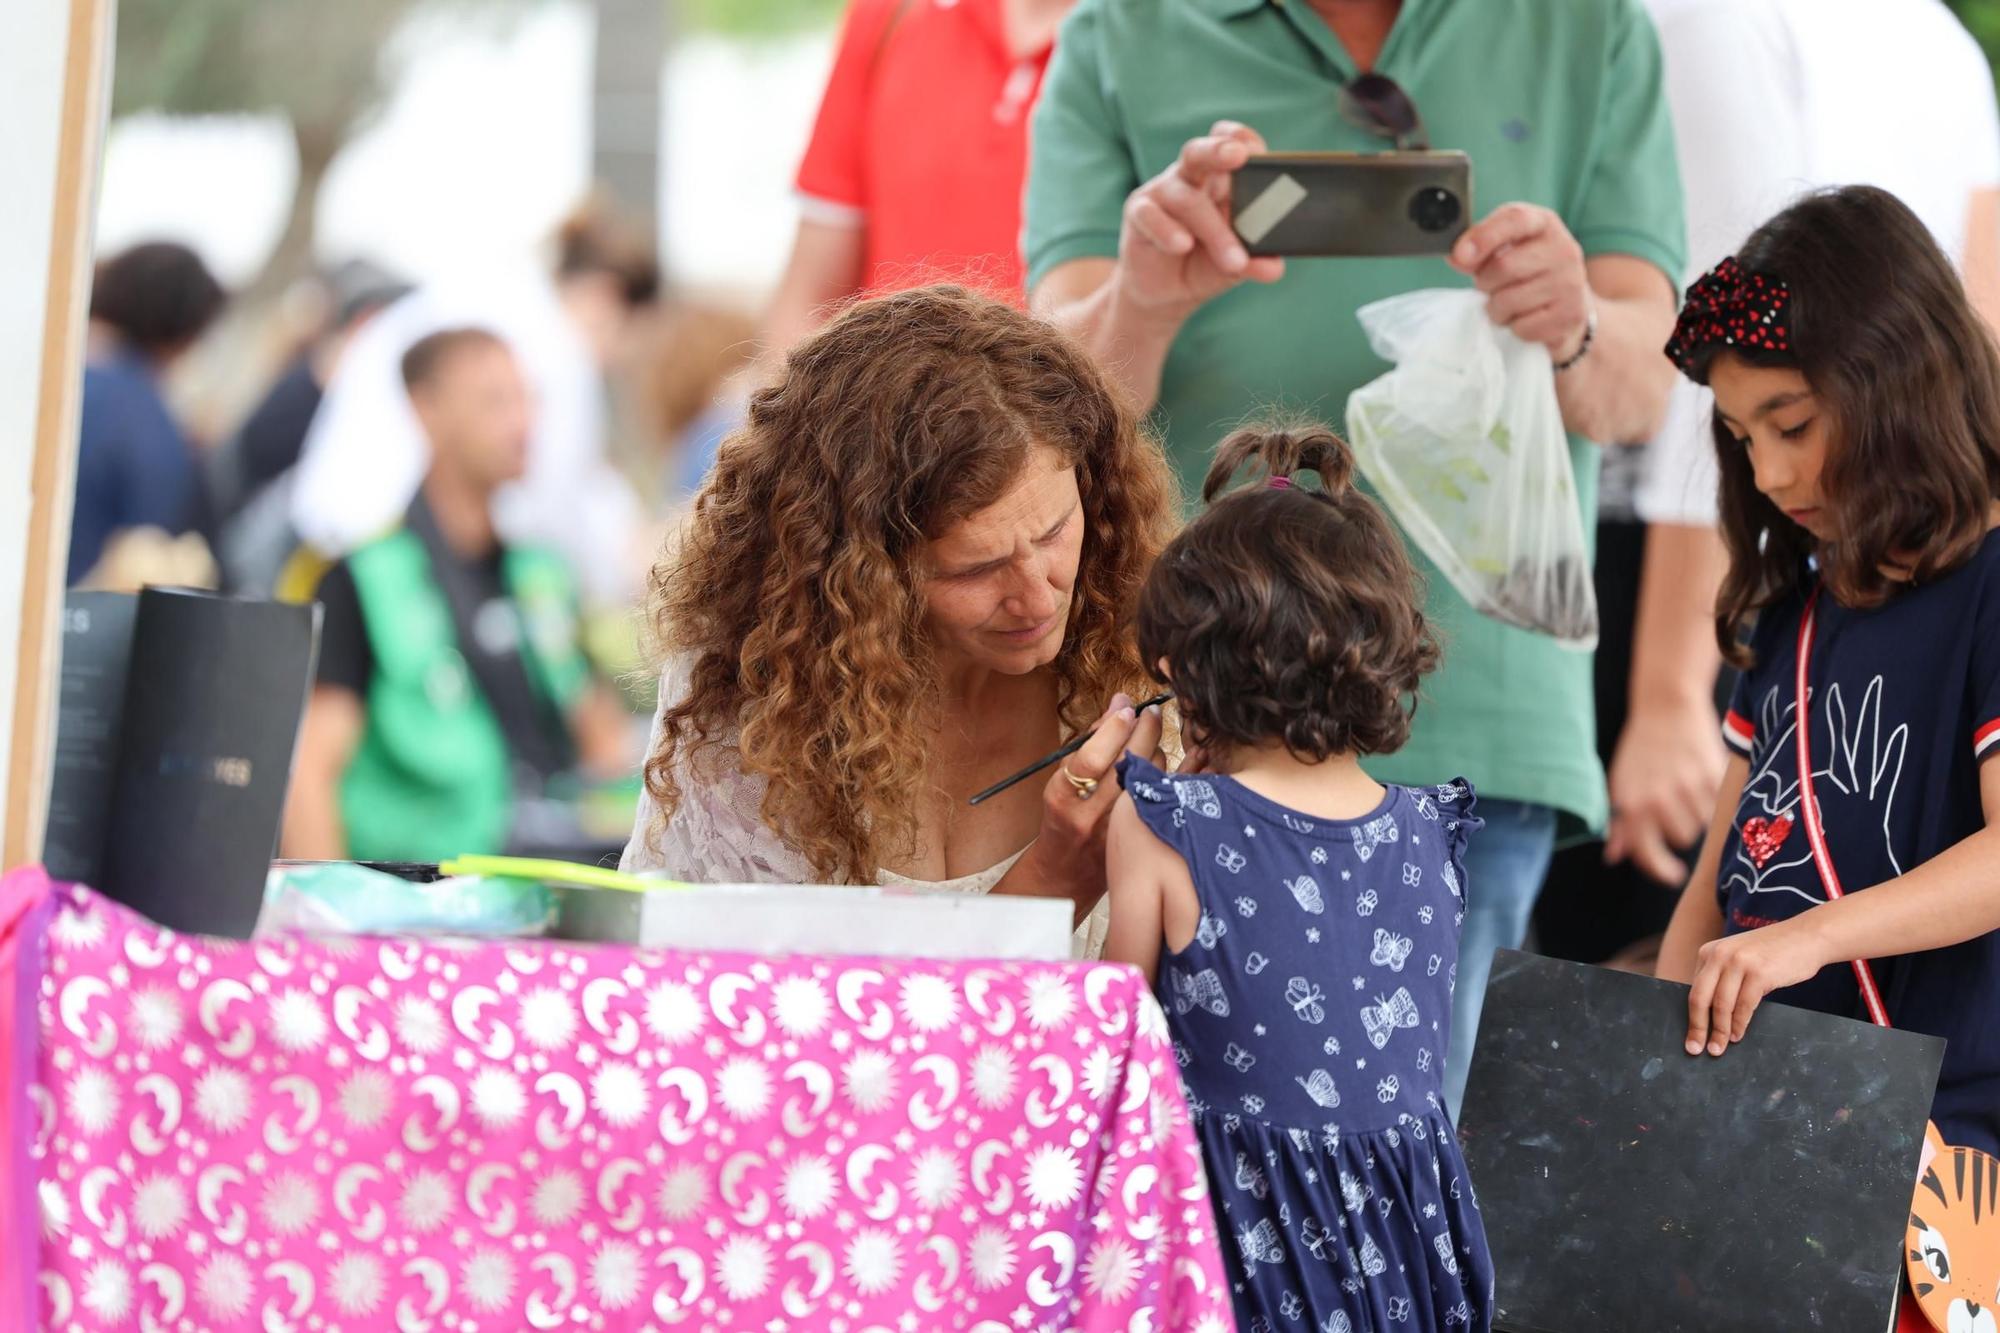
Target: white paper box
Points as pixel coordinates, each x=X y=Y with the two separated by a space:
x=821 y=919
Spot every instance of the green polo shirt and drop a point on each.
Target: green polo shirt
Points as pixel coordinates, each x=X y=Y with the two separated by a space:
x=1558 y=102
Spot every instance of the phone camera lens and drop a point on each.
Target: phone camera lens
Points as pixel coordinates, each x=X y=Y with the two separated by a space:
x=1435 y=209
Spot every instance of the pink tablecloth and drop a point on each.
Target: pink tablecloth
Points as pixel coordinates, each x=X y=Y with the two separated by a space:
x=376 y=1135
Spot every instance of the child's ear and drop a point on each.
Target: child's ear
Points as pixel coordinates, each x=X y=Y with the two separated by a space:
x=1163 y=671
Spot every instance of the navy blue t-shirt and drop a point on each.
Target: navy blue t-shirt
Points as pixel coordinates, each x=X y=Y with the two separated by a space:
x=133 y=466
x=1904 y=707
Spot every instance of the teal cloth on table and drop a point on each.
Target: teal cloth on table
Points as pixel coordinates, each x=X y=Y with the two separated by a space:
x=343 y=898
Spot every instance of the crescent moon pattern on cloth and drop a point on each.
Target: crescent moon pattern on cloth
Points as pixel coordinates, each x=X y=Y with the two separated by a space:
x=325 y=1136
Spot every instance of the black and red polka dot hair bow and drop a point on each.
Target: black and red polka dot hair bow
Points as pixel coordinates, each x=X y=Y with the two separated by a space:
x=1728 y=307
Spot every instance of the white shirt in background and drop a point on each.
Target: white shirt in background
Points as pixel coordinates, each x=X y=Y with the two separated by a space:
x=1772 y=98
x=366 y=455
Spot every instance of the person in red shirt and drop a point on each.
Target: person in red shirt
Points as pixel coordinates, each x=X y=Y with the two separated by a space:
x=917 y=160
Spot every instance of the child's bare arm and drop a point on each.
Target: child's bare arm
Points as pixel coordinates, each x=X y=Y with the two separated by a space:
x=1133 y=861
x=1953 y=897
x=1698 y=919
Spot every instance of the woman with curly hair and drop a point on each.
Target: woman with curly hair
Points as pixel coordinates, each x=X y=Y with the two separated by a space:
x=911 y=573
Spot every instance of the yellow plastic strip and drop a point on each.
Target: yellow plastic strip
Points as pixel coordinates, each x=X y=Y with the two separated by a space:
x=555 y=872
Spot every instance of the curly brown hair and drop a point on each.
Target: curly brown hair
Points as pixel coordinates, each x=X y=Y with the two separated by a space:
x=795 y=587
x=1288 y=613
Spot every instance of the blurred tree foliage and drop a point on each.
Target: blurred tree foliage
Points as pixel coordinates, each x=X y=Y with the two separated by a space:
x=1982 y=17
x=753 y=19
x=770 y=18
x=314 y=63
x=324 y=66
x=321 y=65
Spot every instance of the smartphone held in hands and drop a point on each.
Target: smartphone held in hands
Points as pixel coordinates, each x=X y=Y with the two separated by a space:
x=1352 y=204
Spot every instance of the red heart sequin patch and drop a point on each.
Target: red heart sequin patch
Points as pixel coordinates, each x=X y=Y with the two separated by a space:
x=1763 y=837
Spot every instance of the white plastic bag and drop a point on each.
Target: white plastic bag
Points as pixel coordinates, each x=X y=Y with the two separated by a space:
x=1464 y=442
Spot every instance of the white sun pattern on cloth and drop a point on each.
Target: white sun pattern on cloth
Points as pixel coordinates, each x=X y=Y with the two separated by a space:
x=809 y=1186
x=683 y=1193
x=366 y=1134
x=291 y=1204
x=159 y=1207
x=156 y=1018
x=225 y=1286
x=487 y=1279
x=498 y=1098
x=548 y=1019
x=222 y=1100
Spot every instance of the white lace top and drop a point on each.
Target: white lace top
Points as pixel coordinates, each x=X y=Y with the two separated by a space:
x=718 y=835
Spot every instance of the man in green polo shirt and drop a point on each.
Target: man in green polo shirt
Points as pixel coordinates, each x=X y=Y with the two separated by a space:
x=1148 y=108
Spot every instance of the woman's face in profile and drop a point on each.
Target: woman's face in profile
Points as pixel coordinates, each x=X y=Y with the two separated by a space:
x=998 y=592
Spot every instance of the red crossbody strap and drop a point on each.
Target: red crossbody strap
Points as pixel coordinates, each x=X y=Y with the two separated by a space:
x=1871 y=995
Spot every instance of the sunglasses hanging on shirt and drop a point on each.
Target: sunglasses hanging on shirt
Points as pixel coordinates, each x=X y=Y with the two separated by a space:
x=1377 y=103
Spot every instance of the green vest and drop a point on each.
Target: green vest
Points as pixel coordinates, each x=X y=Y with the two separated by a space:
x=432 y=778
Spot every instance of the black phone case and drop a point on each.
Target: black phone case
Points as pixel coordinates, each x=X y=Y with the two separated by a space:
x=1352 y=204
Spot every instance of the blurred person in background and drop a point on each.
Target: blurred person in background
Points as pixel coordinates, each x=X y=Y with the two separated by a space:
x=700 y=347
x=452 y=684
x=1762 y=94
x=249 y=477
x=365 y=454
x=1150 y=108
x=914 y=171
x=147 y=557
x=271 y=438
x=135 y=468
x=913 y=174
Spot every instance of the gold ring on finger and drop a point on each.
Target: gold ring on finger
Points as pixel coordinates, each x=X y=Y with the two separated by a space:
x=1085 y=787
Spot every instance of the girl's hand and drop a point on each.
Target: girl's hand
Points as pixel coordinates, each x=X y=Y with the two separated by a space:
x=1735 y=973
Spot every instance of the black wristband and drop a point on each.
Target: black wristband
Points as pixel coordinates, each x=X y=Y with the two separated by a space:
x=1589 y=337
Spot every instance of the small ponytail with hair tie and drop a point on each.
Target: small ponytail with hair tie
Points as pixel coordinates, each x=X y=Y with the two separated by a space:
x=1288 y=612
x=1281 y=451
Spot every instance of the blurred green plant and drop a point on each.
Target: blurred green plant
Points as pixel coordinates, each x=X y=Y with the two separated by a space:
x=1982 y=20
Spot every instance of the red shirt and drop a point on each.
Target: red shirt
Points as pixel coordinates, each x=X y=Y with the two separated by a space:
x=922 y=140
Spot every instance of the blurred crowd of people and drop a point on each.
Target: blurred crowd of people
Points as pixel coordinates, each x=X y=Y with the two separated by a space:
x=469 y=475
x=439 y=462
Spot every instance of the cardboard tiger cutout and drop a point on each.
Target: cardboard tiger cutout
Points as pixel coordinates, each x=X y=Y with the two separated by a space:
x=1954 y=1239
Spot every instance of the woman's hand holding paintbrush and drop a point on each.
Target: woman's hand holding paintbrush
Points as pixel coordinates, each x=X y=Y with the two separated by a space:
x=1083 y=783
x=1066 y=859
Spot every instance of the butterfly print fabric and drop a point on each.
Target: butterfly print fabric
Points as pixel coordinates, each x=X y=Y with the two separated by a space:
x=1311 y=1035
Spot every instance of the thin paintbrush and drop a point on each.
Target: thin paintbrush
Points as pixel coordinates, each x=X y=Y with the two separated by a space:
x=1076 y=743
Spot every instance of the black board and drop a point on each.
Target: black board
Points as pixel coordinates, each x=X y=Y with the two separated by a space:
x=96 y=655
x=174 y=745
x=1625 y=1184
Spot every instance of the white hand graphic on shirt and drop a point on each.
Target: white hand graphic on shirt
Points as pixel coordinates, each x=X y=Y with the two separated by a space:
x=1852 y=758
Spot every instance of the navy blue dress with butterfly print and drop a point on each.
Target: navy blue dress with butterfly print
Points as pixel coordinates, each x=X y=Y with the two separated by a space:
x=1310 y=1015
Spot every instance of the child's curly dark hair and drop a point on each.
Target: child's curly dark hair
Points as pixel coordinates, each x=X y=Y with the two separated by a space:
x=1285 y=612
